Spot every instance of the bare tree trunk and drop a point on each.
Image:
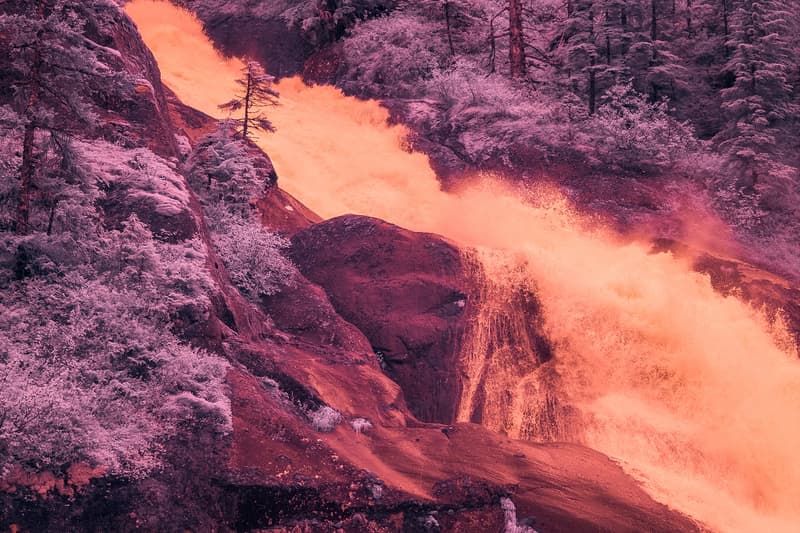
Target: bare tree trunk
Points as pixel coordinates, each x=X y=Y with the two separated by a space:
x=492 y=47
x=247 y=97
x=689 y=17
x=52 y=216
x=27 y=168
x=493 y=41
x=592 y=87
x=517 y=37
x=653 y=20
x=449 y=28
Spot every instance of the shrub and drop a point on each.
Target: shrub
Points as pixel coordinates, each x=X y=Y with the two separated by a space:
x=90 y=370
x=360 y=425
x=252 y=255
x=228 y=176
x=325 y=419
x=222 y=170
x=630 y=132
x=393 y=54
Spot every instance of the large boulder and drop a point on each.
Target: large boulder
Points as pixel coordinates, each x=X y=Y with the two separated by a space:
x=408 y=293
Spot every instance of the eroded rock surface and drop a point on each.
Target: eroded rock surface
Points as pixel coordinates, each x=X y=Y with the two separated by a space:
x=406 y=291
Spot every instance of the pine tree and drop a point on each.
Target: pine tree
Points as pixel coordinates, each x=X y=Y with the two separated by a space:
x=257 y=93
x=591 y=47
x=53 y=61
x=759 y=105
x=449 y=25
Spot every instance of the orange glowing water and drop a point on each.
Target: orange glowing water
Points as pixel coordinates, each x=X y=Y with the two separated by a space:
x=690 y=390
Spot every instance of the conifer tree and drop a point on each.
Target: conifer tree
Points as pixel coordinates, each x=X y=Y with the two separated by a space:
x=54 y=61
x=256 y=94
x=587 y=47
x=759 y=106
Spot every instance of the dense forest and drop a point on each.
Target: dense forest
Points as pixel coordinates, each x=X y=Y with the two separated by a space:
x=705 y=89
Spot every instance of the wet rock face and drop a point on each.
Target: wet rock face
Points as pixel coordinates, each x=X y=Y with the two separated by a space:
x=406 y=291
x=267 y=36
x=144 y=114
x=275 y=45
x=303 y=310
x=773 y=294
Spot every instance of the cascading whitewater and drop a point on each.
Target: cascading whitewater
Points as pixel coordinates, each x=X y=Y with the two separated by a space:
x=695 y=393
x=507 y=367
x=691 y=390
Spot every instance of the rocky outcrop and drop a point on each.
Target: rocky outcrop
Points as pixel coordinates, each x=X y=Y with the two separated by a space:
x=146 y=114
x=398 y=474
x=304 y=311
x=406 y=291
